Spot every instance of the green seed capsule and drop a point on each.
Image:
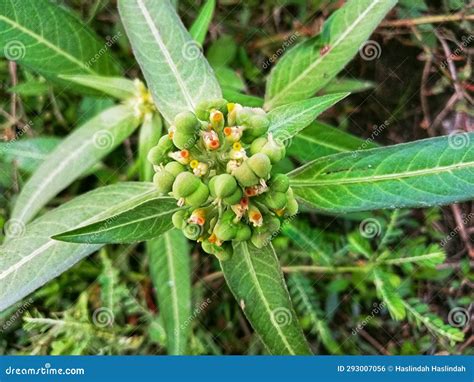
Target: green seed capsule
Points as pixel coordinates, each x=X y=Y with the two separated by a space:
x=275 y=200
x=225 y=231
x=224 y=185
x=280 y=183
x=223 y=252
x=179 y=219
x=163 y=181
x=243 y=232
x=159 y=153
x=234 y=198
x=244 y=175
x=291 y=207
x=186 y=123
x=185 y=184
x=260 y=164
x=204 y=108
x=175 y=168
x=260 y=124
x=198 y=197
x=268 y=146
x=184 y=141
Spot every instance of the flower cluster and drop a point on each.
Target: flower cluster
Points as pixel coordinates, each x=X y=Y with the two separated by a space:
x=217 y=163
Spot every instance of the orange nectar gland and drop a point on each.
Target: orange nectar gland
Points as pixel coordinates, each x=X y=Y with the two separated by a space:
x=198 y=217
x=256 y=219
x=227 y=131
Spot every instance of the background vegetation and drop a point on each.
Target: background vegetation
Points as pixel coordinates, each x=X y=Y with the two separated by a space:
x=403 y=89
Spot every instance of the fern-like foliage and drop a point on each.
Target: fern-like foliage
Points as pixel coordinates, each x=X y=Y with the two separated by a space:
x=306 y=304
x=419 y=314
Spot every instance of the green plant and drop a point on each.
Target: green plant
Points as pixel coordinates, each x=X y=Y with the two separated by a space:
x=185 y=98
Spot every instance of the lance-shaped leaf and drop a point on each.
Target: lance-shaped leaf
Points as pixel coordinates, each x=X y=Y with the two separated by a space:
x=50 y=40
x=28 y=154
x=429 y=172
x=254 y=276
x=201 y=25
x=174 y=67
x=31 y=258
x=310 y=65
x=171 y=276
x=117 y=87
x=136 y=222
x=81 y=150
x=320 y=139
x=288 y=120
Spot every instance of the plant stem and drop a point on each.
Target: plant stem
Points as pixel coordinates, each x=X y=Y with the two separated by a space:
x=427 y=20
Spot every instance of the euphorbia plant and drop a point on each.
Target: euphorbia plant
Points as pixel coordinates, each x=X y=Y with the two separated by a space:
x=213 y=168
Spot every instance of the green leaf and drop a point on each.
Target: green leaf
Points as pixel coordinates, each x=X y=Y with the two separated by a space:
x=150 y=133
x=171 y=275
x=31 y=88
x=389 y=294
x=418 y=174
x=31 y=258
x=288 y=120
x=83 y=148
x=50 y=40
x=143 y=220
x=310 y=65
x=28 y=154
x=256 y=281
x=232 y=95
x=174 y=67
x=117 y=87
x=229 y=78
x=201 y=25
x=319 y=140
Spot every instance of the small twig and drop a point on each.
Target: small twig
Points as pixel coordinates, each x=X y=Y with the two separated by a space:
x=424 y=93
x=451 y=66
x=426 y=20
x=374 y=342
x=442 y=115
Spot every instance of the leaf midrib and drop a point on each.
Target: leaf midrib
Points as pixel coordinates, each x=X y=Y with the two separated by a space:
x=258 y=288
x=42 y=40
x=414 y=259
x=50 y=242
x=379 y=178
x=166 y=53
x=283 y=92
